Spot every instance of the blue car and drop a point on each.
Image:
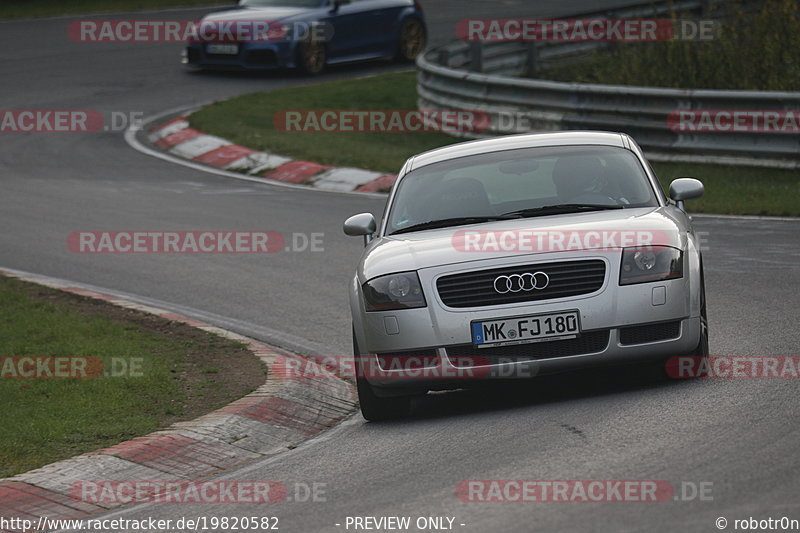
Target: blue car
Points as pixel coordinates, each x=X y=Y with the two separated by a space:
x=307 y=34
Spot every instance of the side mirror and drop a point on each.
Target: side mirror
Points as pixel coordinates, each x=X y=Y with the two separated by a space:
x=362 y=224
x=685 y=189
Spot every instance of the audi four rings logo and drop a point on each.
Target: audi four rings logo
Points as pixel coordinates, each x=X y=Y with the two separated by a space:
x=521 y=282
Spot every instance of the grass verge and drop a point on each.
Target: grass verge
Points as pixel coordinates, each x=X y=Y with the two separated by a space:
x=248 y=120
x=734 y=190
x=156 y=372
x=14 y=9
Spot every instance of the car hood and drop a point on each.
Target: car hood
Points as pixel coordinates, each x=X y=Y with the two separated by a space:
x=581 y=231
x=273 y=13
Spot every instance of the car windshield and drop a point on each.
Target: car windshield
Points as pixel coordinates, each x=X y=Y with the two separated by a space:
x=281 y=3
x=518 y=184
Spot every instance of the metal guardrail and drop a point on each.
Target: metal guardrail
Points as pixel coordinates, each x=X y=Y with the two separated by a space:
x=488 y=77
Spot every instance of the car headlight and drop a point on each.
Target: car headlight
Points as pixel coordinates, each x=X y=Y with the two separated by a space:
x=650 y=263
x=395 y=291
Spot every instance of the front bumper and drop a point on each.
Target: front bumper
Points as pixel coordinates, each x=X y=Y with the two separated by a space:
x=456 y=366
x=619 y=324
x=251 y=56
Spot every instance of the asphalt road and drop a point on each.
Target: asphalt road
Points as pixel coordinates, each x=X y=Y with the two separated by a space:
x=740 y=435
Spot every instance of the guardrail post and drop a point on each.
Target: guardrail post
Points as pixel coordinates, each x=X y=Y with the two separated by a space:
x=476 y=56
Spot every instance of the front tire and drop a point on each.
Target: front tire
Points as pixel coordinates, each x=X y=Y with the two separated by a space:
x=373 y=407
x=702 y=350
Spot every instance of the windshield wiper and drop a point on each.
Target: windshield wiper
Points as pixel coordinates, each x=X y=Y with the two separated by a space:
x=557 y=208
x=445 y=222
x=522 y=213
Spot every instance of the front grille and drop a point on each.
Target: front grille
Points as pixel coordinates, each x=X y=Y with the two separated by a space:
x=567 y=278
x=589 y=342
x=650 y=333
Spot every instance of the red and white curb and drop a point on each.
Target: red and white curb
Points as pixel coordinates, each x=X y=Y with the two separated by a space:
x=178 y=139
x=275 y=417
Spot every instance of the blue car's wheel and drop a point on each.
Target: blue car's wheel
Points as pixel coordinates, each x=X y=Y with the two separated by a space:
x=311 y=56
x=412 y=40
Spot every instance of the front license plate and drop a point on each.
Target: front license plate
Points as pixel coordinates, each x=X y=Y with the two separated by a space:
x=222 y=49
x=525 y=329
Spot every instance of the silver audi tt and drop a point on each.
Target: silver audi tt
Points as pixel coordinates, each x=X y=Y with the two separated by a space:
x=520 y=256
